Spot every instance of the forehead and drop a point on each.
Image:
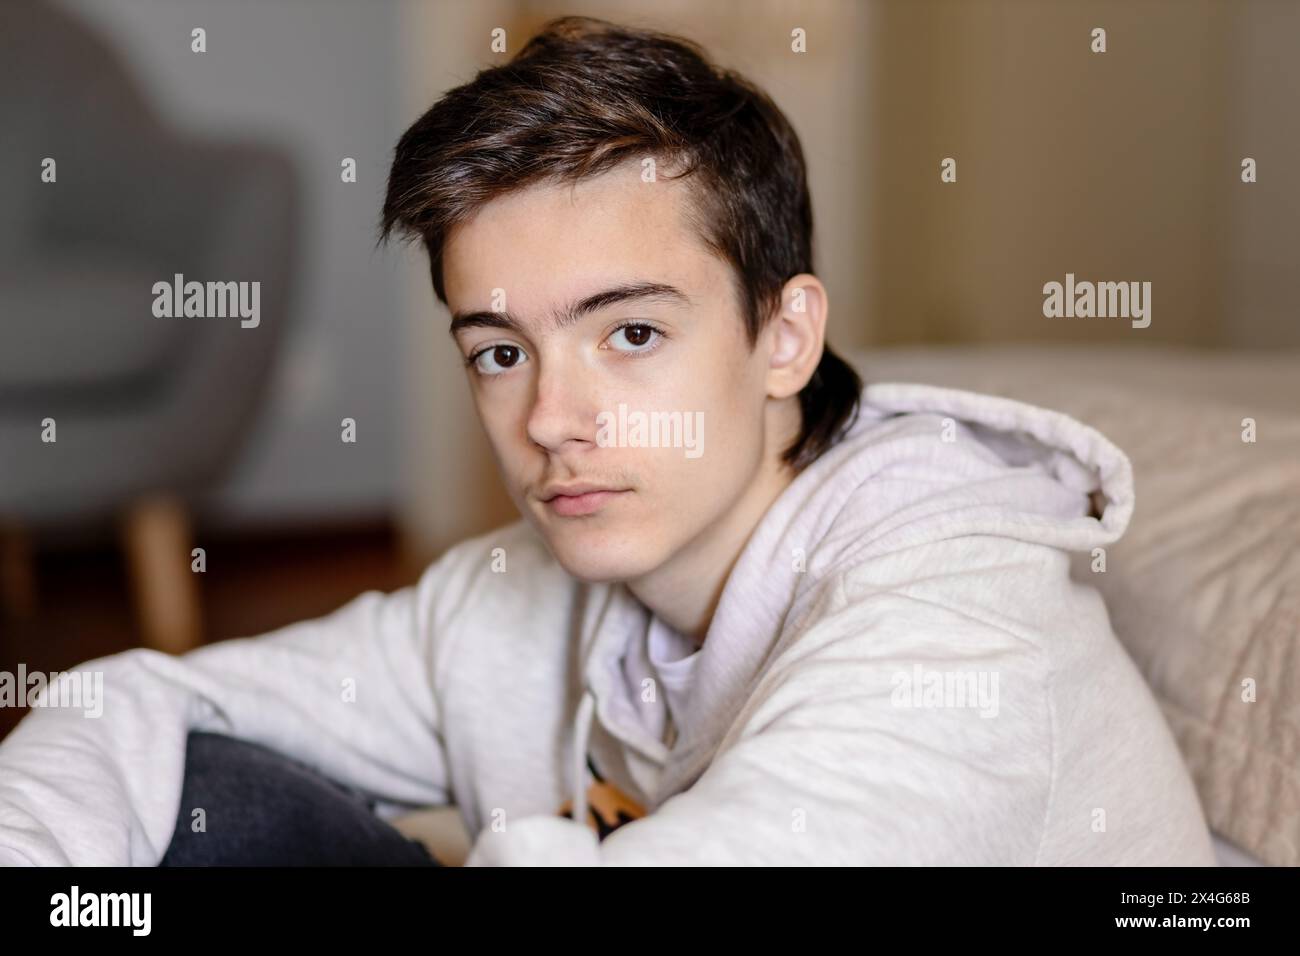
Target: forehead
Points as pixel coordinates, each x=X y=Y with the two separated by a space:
x=556 y=241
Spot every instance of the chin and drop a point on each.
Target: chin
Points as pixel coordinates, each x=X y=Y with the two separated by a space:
x=598 y=555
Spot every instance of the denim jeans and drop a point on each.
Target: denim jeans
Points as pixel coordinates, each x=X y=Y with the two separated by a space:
x=265 y=809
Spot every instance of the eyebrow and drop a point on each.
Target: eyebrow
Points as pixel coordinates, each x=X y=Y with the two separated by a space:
x=626 y=292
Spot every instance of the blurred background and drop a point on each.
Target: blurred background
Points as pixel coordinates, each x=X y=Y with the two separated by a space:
x=175 y=434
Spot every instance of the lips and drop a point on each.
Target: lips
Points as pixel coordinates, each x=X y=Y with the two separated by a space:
x=573 y=489
x=584 y=503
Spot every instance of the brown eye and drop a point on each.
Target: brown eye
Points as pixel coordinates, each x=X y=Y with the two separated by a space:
x=496 y=359
x=638 y=334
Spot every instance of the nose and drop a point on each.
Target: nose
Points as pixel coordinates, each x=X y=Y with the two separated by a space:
x=562 y=412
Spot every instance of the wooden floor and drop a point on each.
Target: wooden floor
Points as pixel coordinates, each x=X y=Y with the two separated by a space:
x=254 y=584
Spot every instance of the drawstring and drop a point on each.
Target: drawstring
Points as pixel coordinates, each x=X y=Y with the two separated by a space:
x=582 y=735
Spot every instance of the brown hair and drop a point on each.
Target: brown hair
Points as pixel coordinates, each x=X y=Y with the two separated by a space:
x=585 y=95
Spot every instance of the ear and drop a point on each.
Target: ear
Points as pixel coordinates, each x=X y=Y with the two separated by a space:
x=796 y=336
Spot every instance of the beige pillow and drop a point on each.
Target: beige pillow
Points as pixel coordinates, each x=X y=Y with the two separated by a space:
x=1204 y=588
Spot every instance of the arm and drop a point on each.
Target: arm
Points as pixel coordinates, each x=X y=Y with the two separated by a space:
x=348 y=692
x=826 y=765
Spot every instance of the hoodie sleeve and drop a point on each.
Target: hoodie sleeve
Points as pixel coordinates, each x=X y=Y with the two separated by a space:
x=349 y=693
x=839 y=757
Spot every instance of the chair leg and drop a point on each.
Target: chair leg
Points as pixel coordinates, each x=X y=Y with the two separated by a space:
x=17 y=573
x=157 y=541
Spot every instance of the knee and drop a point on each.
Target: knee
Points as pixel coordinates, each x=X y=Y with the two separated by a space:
x=239 y=798
x=245 y=804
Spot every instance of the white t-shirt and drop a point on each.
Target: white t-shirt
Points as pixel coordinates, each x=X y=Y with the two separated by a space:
x=673 y=657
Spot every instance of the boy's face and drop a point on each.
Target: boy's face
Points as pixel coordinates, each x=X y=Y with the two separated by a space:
x=549 y=394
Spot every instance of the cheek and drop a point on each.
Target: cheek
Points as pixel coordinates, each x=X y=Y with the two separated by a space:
x=728 y=429
x=502 y=417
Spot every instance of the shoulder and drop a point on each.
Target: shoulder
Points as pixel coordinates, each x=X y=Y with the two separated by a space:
x=948 y=602
x=948 y=640
x=509 y=557
x=493 y=579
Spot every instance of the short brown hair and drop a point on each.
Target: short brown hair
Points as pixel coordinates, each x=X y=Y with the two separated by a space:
x=585 y=95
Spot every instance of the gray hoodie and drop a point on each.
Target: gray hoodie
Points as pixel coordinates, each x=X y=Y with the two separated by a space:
x=900 y=670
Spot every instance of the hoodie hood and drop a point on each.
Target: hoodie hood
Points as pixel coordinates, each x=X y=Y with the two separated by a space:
x=920 y=463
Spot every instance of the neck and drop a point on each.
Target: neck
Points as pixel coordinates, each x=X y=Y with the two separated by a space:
x=684 y=592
